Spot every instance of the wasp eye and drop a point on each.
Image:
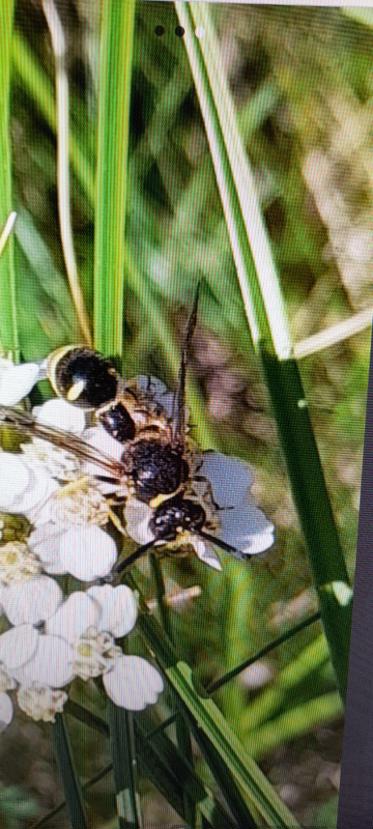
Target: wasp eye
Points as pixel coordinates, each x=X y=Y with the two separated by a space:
x=83 y=377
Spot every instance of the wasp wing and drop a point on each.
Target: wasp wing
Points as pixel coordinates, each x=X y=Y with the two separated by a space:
x=27 y=425
x=178 y=409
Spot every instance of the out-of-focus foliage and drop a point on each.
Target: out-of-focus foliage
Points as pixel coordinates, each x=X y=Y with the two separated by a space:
x=302 y=81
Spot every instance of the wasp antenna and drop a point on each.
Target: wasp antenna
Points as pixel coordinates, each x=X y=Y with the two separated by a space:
x=132 y=558
x=224 y=546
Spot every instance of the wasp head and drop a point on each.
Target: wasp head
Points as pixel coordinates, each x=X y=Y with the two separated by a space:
x=176 y=515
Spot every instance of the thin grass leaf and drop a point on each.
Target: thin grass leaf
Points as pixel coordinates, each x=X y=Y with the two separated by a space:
x=123 y=752
x=203 y=715
x=63 y=172
x=117 y=26
x=269 y=331
x=71 y=785
x=33 y=79
x=294 y=723
x=9 y=342
x=183 y=738
x=271 y=700
x=161 y=762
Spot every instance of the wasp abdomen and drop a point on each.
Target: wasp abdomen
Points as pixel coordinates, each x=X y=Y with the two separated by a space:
x=118 y=422
x=83 y=377
x=155 y=468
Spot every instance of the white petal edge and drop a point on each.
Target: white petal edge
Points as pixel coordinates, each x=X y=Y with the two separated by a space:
x=230 y=478
x=137 y=516
x=16 y=381
x=74 y=616
x=87 y=552
x=206 y=554
x=14 y=479
x=118 y=608
x=133 y=683
x=50 y=665
x=61 y=415
x=32 y=601
x=17 y=646
x=247 y=529
x=6 y=711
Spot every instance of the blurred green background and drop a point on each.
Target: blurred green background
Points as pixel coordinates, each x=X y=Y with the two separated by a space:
x=302 y=81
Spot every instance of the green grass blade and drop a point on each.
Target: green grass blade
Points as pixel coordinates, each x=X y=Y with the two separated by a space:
x=40 y=89
x=269 y=330
x=123 y=752
x=204 y=716
x=73 y=795
x=294 y=723
x=117 y=26
x=161 y=762
x=9 y=342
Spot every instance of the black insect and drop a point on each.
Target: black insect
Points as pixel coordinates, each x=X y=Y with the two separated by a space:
x=154 y=459
x=172 y=518
x=155 y=463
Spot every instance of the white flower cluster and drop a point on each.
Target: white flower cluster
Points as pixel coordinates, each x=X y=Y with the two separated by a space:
x=54 y=638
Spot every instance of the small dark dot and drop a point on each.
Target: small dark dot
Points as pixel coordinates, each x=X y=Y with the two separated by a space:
x=179 y=31
x=159 y=31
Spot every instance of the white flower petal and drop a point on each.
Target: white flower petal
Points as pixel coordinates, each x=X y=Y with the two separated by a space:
x=87 y=552
x=17 y=646
x=45 y=542
x=246 y=528
x=61 y=415
x=206 y=554
x=6 y=711
x=99 y=439
x=133 y=683
x=31 y=601
x=74 y=617
x=137 y=516
x=118 y=608
x=50 y=665
x=230 y=478
x=14 y=479
x=16 y=381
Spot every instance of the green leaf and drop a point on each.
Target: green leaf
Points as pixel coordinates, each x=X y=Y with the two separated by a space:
x=71 y=785
x=9 y=342
x=111 y=173
x=123 y=752
x=204 y=716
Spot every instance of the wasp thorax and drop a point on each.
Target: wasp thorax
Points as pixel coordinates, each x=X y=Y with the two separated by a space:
x=118 y=422
x=83 y=377
x=176 y=515
x=156 y=468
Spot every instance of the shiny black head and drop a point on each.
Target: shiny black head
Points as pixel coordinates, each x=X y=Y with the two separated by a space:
x=83 y=377
x=118 y=422
x=174 y=515
x=156 y=469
